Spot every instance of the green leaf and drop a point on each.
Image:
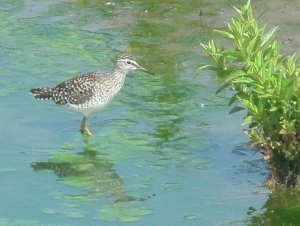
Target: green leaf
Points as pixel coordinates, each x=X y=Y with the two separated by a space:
x=234 y=75
x=233 y=54
x=247 y=120
x=268 y=37
x=244 y=80
x=266 y=95
x=202 y=68
x=273 y=109
x=283 y=132
x=225 y=34
x=238 y=10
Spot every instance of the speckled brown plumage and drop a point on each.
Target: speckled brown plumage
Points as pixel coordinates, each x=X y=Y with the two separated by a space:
x=91 y=91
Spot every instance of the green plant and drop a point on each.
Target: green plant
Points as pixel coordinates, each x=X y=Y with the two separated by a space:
x=267 y=85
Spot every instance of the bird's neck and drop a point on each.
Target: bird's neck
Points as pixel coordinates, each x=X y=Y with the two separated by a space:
x=119 y=74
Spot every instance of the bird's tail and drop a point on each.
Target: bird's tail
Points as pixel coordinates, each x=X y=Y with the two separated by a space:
x=42 y=93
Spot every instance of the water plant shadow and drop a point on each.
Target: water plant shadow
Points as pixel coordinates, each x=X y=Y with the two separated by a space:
x=281 y=208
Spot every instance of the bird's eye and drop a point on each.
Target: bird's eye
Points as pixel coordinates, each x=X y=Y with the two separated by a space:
x=128 y=62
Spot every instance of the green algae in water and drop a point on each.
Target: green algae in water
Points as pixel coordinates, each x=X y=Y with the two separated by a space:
x=191 y=217
x=7 y=170
x=9 y=87
x=86 y=182
x=76 y=198
x=123 y=212
x=74 y=214
x=58 y=50
x=68 y=147
x=172 y=186
x=49 y=211
x=9 y=222
x=69 y=212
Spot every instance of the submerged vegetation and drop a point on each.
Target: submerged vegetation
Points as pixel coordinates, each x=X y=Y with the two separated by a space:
x=266 y=84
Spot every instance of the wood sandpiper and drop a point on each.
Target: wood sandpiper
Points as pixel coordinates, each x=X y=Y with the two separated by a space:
x=91 y=91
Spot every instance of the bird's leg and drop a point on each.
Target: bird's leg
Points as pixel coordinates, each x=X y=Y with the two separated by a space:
x=84 y=127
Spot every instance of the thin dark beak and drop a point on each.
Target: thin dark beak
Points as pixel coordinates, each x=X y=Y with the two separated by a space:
x=144 y=69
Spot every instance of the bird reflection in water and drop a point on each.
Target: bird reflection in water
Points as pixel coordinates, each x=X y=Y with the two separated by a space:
x=91 y=170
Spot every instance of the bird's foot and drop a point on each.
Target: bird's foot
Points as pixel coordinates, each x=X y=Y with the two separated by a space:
x=86 y=132
x=84 y=127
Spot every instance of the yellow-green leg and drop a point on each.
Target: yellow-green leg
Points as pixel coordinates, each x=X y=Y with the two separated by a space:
x=84 y=127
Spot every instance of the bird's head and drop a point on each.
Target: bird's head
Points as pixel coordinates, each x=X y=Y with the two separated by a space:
x=128 y=63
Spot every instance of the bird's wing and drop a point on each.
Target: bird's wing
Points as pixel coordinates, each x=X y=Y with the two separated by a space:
x=75 y=91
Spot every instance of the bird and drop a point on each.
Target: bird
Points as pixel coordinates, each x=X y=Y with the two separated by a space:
x=90 y=92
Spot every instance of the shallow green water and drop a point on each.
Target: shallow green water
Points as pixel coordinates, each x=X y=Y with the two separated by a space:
x=164 y=152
